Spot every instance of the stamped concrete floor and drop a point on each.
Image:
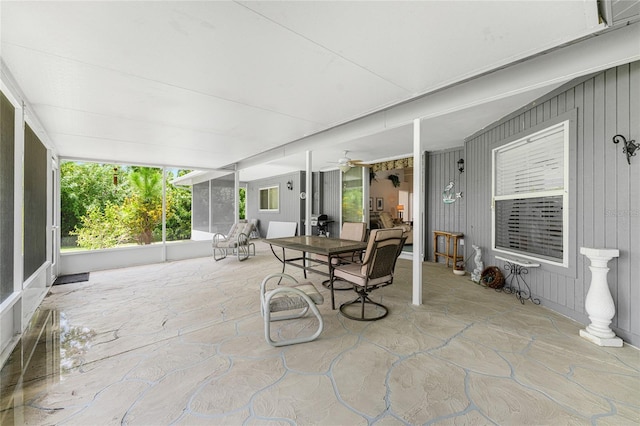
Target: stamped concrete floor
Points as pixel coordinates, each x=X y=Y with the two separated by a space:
x=182 y=343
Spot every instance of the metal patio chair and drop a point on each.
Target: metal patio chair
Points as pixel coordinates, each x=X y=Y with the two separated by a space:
x=236 y=242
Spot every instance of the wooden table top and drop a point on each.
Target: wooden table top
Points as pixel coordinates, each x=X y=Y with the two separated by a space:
x=318 y=245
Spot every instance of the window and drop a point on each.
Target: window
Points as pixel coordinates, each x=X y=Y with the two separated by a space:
x=269 y=198
x=530 y=196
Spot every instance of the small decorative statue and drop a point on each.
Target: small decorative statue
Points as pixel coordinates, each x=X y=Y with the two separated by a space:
x=475 y=276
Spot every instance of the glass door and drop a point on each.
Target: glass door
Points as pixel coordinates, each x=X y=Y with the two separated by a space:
x=353 y=195
x=55 y=215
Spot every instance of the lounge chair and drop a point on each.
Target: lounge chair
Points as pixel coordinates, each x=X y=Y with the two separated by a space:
x=236 y=242
x=387 y=222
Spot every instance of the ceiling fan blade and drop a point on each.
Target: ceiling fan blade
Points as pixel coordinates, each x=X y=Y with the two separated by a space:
x=358 y=163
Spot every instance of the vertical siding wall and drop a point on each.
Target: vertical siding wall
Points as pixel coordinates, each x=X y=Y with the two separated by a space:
x=607 y=206
x=326 y=200
x=331 y=199
x=442 y=168
x=290 y=203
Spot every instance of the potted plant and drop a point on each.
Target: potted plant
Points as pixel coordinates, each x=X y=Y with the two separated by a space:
x=395 y=180
x=372 y=176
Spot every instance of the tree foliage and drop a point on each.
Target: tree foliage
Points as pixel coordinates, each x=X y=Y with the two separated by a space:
x=243 y=203
x=105 y=205
x=84 y=186
x=179 y=217
x=102 y=228
x=143 y=209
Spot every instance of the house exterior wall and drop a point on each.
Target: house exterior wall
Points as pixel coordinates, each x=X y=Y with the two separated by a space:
x=332 y=198
x=442 y=168
x=606 y=200
x=290 y=204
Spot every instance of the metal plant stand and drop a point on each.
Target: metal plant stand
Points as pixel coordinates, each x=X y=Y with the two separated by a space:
x=517 y=269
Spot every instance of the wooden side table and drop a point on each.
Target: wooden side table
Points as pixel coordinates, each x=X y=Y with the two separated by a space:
x=449 y=254
x=454 y=237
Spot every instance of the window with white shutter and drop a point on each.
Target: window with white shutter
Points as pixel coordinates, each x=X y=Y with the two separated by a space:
x=530 y=196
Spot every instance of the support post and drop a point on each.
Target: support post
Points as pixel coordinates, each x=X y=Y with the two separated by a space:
x=418 y=214
x=309 y=193
x=599 y=303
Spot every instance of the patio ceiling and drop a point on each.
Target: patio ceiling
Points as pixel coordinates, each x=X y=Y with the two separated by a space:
x=209 y=84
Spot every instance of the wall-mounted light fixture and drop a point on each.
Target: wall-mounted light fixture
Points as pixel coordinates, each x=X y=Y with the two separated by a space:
x=290 y=185
x=461 y=165
x=629 y=146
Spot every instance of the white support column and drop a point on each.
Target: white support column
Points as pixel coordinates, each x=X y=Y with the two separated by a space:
x=18 y=214
x=418 y=214
x=236 y=197
x=599 y=303
x=365 y=196
x=308 y=201
x=164 y=214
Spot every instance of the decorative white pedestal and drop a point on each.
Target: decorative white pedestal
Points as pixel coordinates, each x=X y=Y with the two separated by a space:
x=599 y=303
x=477 y=272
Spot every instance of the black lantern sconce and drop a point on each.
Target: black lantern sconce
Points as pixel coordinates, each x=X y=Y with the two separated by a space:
x=629 y=146
x=290 y=185
x=461 y=165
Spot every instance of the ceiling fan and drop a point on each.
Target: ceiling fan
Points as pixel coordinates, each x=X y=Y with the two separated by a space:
x=345 y=163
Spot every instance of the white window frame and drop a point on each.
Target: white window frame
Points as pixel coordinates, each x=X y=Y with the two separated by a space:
x=564 y=192
x=268 y=189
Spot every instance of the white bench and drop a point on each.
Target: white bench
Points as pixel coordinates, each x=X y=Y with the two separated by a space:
x=282 y=229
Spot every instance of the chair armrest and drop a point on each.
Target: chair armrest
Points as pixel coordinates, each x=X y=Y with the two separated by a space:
x=263 y=284
x=404 y=227
x=218 y=238
x=263 y=287
x=243 y=239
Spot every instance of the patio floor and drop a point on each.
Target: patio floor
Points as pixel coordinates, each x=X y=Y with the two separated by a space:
x=182 y=343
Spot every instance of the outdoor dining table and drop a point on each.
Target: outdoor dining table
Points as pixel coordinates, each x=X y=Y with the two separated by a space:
x=329 y=247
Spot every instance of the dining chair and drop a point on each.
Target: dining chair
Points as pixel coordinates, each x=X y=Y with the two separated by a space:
x=300 y=297
x=375 y=271
x=356 y=231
